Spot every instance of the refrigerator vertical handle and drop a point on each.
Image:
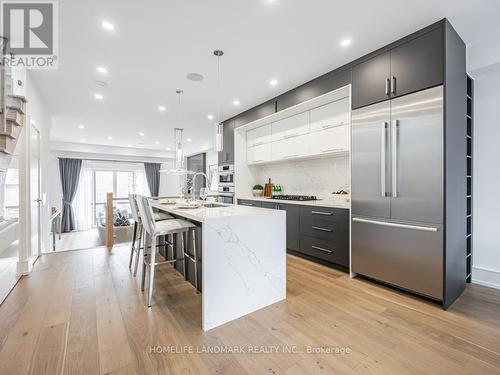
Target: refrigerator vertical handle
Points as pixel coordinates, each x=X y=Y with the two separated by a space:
x=383 y=151
x=394 y=157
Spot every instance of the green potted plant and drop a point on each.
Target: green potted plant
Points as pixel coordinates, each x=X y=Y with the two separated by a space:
x=257 y=190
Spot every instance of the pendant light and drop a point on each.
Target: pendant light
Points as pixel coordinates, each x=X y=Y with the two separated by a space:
x=219 y=126
x=179 y=152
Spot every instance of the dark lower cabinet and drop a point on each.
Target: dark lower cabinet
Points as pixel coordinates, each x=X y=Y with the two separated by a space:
x=248 y=202
x=318 y=232
x=331 y=251
x=292 y=225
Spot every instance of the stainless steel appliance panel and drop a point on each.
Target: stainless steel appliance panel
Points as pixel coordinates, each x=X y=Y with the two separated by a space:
x=409 y=256
x=371 y=160
x=417 y=157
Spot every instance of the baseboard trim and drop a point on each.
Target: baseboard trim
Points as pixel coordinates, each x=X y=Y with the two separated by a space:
x=486 y=277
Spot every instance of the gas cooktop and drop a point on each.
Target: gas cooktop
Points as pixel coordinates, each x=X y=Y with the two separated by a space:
x=295 y=197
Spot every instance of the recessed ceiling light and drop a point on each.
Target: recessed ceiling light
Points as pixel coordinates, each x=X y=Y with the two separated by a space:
x=168 y=148
x=81 y=127
x=157 y=143
x=236 y=102
x=141 y=134
x=196 y=77
x=345 y=42
x=188 y=139
x=82 y=141
x=129 y=145
x=107 y=25
x=210 y=117
x=98 y=96
x=102 y=70
x=273 y=82
x=110 y=138
x=161 y=108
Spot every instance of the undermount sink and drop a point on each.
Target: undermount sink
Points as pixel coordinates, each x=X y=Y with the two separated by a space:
x=213 y=205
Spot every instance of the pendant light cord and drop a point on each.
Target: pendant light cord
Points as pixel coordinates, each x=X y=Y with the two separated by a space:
x=218 y=89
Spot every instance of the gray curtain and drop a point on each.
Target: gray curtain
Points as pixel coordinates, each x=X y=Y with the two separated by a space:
x=153 y=177
x=69 y=169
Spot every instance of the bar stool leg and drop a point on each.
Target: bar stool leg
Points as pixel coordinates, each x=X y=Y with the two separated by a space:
x=195 y=257
x=145 y=252
x=152 y=270
x=140 y=240
x=183 y=247
x=132 y=245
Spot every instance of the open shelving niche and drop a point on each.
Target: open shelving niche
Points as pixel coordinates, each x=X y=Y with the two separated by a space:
x=469 y=178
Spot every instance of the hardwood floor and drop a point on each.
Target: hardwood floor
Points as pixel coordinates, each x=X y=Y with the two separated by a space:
x=81 y=312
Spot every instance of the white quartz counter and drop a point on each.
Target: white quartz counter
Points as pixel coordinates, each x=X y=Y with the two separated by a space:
x=334 y=203
x=203 y=214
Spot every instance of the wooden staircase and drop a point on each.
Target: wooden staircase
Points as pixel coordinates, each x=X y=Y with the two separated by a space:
x=12 y=120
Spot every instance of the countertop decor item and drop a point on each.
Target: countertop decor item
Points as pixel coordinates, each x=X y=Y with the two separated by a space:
x=258 y=190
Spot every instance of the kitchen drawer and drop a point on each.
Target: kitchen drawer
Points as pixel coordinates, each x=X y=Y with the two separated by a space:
x=271 y=205
x=248 y=202
x=335 y=228
x=329 y=213
x=291 y=126
x=259 y=136
x=330 y=251
x=290 y=148
x=329 y=141
x=330 y=115
x=259 y=154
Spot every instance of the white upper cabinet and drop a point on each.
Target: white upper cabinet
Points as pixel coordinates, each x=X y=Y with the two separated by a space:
x=330 y=115
x=290 y=148
x=291 y=126
x=329 y=141
x=259 y=154
x=259 y=136
x=317 y=132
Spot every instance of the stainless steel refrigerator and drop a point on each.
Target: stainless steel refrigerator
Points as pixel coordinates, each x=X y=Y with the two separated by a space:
x=397 y=192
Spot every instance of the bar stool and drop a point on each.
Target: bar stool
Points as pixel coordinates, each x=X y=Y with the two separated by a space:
x=137 y=236
x=155 y=230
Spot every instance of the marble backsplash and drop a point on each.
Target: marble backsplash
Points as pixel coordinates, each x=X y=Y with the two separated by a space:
x=318 y=177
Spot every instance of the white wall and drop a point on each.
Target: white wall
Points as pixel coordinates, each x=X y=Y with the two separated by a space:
x=486 y=189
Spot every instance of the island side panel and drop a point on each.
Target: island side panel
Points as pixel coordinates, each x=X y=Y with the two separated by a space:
x=244 y=265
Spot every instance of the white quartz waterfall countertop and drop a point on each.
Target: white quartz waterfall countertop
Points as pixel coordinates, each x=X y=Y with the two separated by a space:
x=243 y=258
x=202 y=213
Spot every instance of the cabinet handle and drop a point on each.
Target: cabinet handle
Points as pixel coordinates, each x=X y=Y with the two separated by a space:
x=332 y=149
x=322 y=229
x=290 y=156
x=247 y=204
x=393 y=85
x=322 y=249
x=258 y=143
x=290 y=135
x=322 y=213
x=387 y=85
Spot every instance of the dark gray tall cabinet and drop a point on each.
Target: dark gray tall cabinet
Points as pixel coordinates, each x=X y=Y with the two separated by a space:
x=432 y=60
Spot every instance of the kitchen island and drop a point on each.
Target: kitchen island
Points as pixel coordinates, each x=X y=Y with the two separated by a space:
x=243 y=258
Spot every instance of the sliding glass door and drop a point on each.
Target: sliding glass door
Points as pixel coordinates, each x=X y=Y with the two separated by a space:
x=90 y=200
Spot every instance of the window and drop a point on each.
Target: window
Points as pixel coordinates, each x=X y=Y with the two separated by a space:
x=98 y=179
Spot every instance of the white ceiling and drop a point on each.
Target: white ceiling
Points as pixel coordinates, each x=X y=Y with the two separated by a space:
x=156 y=43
